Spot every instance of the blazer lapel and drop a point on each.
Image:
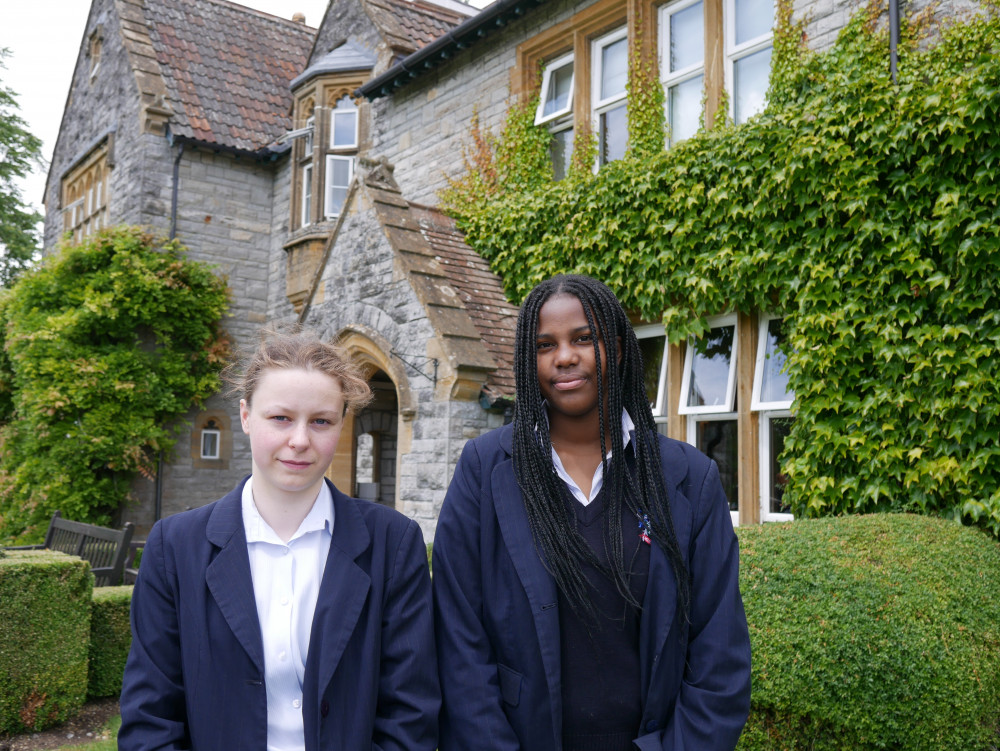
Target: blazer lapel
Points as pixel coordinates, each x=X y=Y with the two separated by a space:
x=343 y=591
x=228 y=575
x=538 y=583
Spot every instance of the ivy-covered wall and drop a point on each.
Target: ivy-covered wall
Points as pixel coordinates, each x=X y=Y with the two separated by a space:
x=866 y=213
x=105 y=345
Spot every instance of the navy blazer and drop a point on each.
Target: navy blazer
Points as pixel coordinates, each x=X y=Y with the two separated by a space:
x=195 y=673
x=497 y=618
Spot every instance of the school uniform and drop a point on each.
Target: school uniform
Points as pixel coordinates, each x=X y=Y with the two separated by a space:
x=497 y=616
x=195 y=673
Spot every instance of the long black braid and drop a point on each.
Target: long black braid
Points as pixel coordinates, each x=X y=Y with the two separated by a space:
x=644 y=493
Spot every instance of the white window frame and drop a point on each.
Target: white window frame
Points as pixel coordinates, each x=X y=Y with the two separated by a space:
x=729 y=405
x=693 y=420
x=334 y=116
x=550 y=68
x=670 y=78
x=736 y=52
x=218 y=443
x=661 y=406
x=307 y=185
x=328 y=184
x=764 y=463
x=600 y=106
x=758 y=371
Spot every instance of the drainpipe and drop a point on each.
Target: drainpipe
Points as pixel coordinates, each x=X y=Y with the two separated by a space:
x=893 y=38
x=174 y=190
x=158 y=502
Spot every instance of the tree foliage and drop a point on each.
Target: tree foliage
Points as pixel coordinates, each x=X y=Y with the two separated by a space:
x=105 y=345
x=19 y=152
x=866 y=213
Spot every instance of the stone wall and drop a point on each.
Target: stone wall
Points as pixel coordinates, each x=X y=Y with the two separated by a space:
x=423 y=128
x=224 y=218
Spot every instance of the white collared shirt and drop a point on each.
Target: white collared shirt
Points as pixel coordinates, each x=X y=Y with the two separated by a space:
x=598 y=482
x=286 y=579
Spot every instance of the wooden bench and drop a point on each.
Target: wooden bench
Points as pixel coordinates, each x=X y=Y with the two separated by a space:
x=105 y=549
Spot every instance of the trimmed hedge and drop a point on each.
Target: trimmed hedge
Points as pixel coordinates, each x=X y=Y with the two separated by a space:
x=872 y=632
x=110 y=639
x=45 y=612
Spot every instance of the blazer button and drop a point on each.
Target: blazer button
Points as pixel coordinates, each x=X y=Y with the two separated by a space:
x=324 y=708
x=651 y=726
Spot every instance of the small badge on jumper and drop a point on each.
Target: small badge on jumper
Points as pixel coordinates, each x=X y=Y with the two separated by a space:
x=644 y=529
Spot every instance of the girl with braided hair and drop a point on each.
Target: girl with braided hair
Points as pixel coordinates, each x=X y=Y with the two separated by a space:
x=586 y=587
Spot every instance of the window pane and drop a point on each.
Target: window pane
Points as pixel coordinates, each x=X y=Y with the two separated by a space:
x=750 y=80
x=209 y=444
x=774 y=381
x=335 y=198
x=710 y=368
x=685 y=108
x=340 y=172
x=778 y=430
x=561 y=152
x=717 y=439
x=614 y=68
x=614 y=134
x=687 y=37
x=345 y=128
x=754 y=18
x=652 y=363
x=560 y=85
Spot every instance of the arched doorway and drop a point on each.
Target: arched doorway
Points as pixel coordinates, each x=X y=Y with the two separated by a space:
x=376 y=443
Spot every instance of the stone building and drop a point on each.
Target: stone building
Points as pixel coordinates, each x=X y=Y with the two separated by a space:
x=238 y=133
x=306 y=163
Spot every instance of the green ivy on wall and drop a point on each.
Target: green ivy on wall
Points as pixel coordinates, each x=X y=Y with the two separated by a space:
x=105 y=345
x=868 y=214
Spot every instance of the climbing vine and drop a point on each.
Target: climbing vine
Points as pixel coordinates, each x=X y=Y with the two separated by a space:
x=105 y=346
x=866 y=213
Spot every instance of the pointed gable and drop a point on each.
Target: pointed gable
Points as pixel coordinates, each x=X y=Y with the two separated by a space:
x=409 y=25
x=227 y=70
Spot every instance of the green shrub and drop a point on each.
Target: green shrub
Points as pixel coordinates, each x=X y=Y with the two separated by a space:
x=872 y=632
x=45 y=615
x=110 y=639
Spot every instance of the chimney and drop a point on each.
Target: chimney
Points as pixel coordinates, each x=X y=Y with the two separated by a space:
x=299 y=18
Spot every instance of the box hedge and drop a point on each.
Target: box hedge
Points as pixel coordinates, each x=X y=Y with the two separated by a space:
x=110 y=638
x=872 y=632
x=45 y=603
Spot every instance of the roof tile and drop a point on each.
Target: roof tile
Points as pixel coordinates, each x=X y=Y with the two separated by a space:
x=231 y=87
x=480 y=289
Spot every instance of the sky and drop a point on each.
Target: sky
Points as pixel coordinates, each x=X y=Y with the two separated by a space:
x=43 y=37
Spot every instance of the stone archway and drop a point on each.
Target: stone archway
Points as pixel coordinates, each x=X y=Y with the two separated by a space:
x=376 y=443
x=372 y=441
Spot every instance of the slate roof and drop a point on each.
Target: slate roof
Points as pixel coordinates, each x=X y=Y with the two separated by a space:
x=409 y=25
x=227 y=69
x=348 y=56
x=480 y=290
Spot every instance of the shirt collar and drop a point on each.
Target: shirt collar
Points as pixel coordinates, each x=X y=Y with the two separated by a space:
x=319 y=518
